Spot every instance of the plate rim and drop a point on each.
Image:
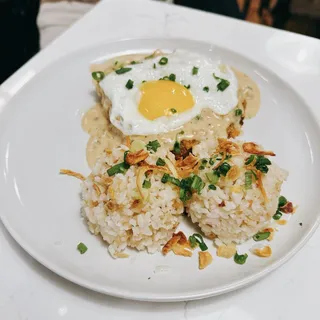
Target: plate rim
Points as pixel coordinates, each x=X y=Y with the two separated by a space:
x=161 y=297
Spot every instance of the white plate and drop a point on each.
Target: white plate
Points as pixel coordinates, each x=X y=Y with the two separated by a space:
x=40 y=133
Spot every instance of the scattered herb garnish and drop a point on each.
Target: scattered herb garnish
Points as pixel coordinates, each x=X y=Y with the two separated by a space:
x=277 y=215
x=197 y=238
x=204 y=161
x=143 y=81
x=213 y=177
x=176 y=148
x=154 y=66
x=187 y=185
x=193 y=241
x=163 y=61
x=153 y=145
x=167 y=178
x=172 y=77
x=146 y=184
x=197 y=184
x=249 y=160
x=248 y=180
x=195 y=70
x=118 y=168
x=98 y=75
x=240 y=258
x=282 y=201
x=181 y=132
x=228 y=156
x=211 y=162
x=82 y=248
x=212 y=187
x=202 y=167
x=198 y=117
x=224 y=168
x=134 y=62
x=206 y=89
x=223 y=84
x=123 y=70
x=160 y=162
x=173 y=110
x=261 y=236
x=116 y=62
x=188 y=86
x=262 y=163
x=129 y=84
x=238 y=112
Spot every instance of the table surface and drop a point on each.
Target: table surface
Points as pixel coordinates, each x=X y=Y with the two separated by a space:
x=30 y=291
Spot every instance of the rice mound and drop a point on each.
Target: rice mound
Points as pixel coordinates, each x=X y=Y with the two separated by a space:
x=120 y=216
x=232 y=213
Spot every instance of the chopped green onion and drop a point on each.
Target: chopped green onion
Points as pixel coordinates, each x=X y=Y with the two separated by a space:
x=165 y=178
x=206 y=89
x=118 y=168
x=263 y=168
x=198 y=117
x=154 y=66
x=173 y=110
x=202 y=167
x=240 y=258
x=143 y=81
x=261 y=236
x=248 y=180
x=238 y=112
x=212 y=177
x=204 y=161
x=163 y=61
x=188 y=86
x=174 y=181
x=123 y=70
x=228 y=156
x=197 y=184
x=185 y=195
x=181 y=132
x=116 y=62
x=212 y=187
x=160 y=162
x=282 y=201
x=193 y=241
x=224 y=168
x=223 y=84
x=134 y=62
x=146 y=184
x=82 y=248
x=254 y=174
x=98 y=75
x=211 y=162
x=172 y=77
x=250 y=159
x=129 y=84
x=261 y=160
x=277 y=215
x=176 y=148
x=153 y=145
x=198 y=238
x=195 y=70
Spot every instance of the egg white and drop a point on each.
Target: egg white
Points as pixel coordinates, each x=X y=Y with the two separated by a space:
x=124 y=112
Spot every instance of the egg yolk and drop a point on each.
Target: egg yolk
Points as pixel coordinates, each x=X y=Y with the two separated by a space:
x=164 y=98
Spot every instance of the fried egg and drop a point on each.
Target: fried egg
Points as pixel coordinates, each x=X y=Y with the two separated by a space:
x=163 y=93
